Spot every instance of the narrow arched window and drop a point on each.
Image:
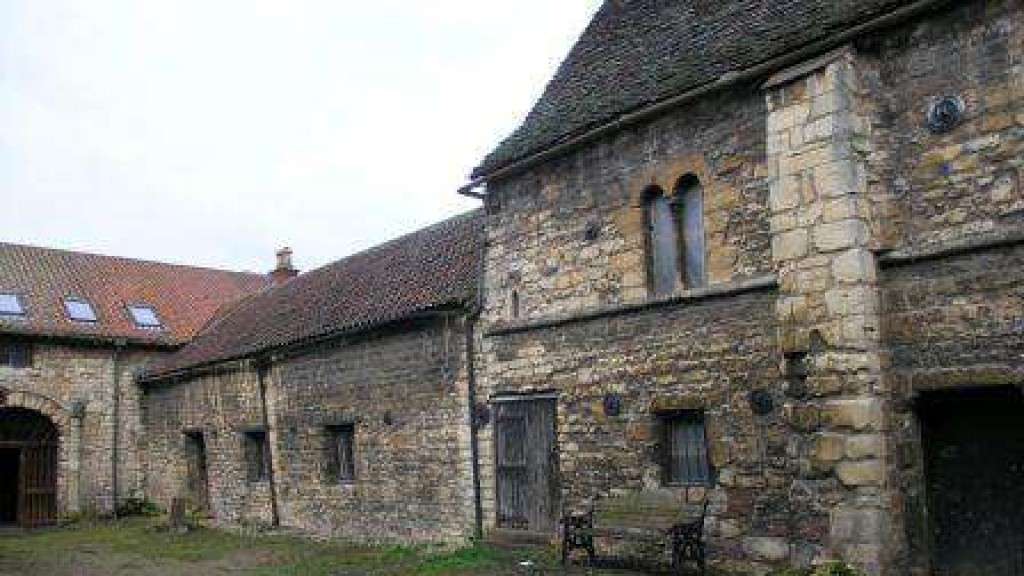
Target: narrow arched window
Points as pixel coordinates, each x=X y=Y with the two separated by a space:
x=662 y=242
x=690 y=200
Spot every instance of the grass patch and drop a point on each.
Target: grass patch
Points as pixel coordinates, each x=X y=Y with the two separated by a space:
x=141 y=546
x=467 y=560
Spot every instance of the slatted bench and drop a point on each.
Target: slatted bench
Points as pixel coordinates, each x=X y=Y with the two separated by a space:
x=651 y=516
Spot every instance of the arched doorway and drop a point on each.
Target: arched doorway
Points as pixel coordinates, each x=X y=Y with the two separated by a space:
x=29 y=444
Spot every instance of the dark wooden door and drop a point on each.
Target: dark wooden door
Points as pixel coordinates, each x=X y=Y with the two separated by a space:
x=198 y=476
x=37 y=492
x=10 y=477
x=974 y=466
x=527 y=465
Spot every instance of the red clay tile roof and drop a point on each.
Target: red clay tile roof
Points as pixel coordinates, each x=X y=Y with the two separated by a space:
x=185 y=298
x=435 y=267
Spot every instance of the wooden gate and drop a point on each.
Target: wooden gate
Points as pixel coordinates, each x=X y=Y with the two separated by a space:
x=526 y=461
x=37 y=502
x=33 y=440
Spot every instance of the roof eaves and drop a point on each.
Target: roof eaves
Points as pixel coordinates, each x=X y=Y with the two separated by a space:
x=293 y=348
x=488 y=171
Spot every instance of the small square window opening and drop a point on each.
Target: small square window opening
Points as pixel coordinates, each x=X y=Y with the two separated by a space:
x=257 y=456
x=686 y=454
x=340 y=456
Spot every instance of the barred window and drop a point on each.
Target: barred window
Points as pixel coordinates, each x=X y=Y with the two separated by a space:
x=340 y=457
x=686 y=454
x=257 y=456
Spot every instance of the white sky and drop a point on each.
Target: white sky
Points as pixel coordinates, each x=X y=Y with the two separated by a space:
x=212 y=132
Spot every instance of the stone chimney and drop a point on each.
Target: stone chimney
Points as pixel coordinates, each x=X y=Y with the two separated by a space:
x=284 y=271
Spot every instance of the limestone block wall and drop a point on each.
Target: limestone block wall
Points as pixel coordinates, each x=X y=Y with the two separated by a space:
x=78 y=381
x=707 y=354
x=568 y=236
x=818 y=130
x=405 y=392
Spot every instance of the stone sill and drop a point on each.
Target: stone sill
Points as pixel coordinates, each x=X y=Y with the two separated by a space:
x=940 y=250
x=736 y=288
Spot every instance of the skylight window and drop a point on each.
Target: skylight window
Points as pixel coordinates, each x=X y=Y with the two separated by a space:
x=79 y=310
x=10 y=305
x=145 y=317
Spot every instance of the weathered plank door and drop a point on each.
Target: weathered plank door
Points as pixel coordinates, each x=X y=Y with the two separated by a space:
x=527 y=464
x=198 y=476
x=37 y=504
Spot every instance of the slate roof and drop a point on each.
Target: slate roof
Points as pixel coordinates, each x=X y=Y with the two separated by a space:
x=638 y=52
x=435 y=267
x=185 y=298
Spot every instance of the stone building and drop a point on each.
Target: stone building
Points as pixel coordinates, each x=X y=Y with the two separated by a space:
x=338 y=402
x=768 y=255
x=761 y=255
x=74 y=328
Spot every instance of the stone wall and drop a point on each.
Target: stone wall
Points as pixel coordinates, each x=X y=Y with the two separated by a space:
x=835 y=167
x=404 y=390
x=706 y=353
x=948 y=207
x=818 y=130
x=568 y=236
x=221 y=406
x=78 y=382
x=953 y=322
x=927 y=187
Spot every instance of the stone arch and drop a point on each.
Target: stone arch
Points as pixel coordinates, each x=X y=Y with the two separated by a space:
x=69 y=439
x=55 y=411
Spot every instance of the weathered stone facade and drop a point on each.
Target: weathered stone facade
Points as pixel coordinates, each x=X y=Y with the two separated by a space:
x=894 y=250
x=73 y=385
x=862 y=253
x=404 y=389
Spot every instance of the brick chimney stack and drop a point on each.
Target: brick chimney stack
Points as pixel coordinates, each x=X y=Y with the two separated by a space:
x=284 y=270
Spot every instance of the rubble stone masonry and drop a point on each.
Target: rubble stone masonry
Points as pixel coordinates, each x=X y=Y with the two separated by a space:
x=403 y=389
x=73 y=385
x=856 y=259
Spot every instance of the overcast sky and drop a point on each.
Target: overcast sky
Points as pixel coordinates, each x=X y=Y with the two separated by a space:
x=211 y=132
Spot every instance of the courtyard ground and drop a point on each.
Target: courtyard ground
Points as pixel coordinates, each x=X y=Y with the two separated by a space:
x=142 y=547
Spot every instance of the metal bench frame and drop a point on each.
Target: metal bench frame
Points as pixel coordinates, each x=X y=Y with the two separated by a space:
x=685 y=538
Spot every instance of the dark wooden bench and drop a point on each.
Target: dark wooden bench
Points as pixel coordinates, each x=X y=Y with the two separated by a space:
x=656 y=514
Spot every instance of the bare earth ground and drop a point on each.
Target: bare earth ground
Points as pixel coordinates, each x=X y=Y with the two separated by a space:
x=142 y=547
